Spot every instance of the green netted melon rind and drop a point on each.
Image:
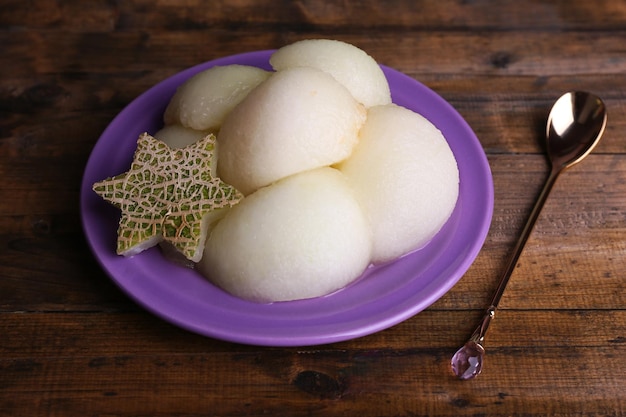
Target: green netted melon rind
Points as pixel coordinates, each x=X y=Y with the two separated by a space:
x=166 y=195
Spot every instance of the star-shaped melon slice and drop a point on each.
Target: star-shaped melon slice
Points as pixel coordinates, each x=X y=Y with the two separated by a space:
x=168 y=194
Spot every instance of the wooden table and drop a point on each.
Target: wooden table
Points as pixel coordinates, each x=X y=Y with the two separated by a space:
x=73 y=344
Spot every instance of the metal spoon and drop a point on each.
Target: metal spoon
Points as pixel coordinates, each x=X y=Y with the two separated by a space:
x=575 y=125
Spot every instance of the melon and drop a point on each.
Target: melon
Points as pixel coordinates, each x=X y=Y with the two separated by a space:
x=406 y=178
x=304 y=236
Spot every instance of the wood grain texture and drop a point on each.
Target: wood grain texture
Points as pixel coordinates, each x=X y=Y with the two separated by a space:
x=73 y=344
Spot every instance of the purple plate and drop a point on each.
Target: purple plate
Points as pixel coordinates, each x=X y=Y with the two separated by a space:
x=384 y=296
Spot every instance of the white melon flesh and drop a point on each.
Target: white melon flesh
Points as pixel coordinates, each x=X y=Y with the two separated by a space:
x=177 y=136
x=350 y=65
x=302 y=237
x=297 y=120
x=406 y=178
x=204 y=100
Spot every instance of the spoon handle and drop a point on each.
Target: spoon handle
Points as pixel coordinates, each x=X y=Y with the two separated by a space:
x=468 y=360
x=479 y=334
x=525 y=234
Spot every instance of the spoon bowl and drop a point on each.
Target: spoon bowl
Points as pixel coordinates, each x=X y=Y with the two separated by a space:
x=575 y=125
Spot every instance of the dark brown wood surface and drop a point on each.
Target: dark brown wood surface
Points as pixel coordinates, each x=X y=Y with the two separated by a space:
x=72 y=344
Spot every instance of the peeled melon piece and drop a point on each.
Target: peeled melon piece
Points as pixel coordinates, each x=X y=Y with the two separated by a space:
x=202 y=102
x=177 y=136
x=350 y=65
x=406 y=178
x=304 y=236
x=297 y=120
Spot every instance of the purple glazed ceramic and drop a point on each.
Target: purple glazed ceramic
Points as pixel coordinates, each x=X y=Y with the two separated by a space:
x=384 y=296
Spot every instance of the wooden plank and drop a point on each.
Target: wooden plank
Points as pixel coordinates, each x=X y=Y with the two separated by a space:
x=541 y=381
x=115 y=362
x=111 y=334
x=274 y=15
x=506 y=107
x=481 y=52
x=585 y=210
x=504 y=121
